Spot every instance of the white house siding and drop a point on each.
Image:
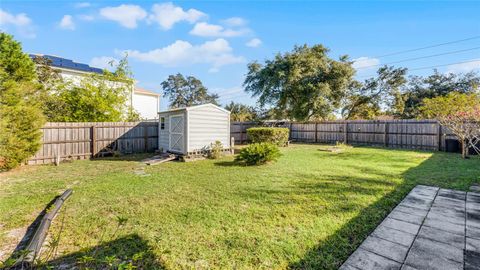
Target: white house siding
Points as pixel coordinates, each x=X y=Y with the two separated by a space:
x=206 y=124
x=146 y=105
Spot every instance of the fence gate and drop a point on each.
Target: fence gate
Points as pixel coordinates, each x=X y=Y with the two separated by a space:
x=176 y=137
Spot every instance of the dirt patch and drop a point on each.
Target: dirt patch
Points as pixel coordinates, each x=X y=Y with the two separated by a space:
x=11 y=239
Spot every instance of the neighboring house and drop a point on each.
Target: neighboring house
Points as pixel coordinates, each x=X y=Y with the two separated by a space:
x=145 y=102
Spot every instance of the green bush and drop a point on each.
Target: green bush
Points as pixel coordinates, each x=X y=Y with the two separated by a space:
x=20 y=110
x=278 y=136
x=258 y=153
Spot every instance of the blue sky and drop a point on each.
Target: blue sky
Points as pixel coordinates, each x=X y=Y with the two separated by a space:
x=214 y=40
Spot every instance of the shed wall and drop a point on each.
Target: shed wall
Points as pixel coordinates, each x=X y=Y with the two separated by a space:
x=206 y=125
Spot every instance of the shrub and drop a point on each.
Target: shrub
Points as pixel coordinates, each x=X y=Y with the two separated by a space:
x=216 y=150
x=258 y=153
x=20 y=110
x=277 y=136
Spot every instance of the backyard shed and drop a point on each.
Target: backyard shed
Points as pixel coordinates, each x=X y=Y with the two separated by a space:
x=192 y=130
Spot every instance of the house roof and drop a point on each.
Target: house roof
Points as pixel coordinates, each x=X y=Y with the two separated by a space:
x=68 y=64
x=195 y=107
x=145 y=92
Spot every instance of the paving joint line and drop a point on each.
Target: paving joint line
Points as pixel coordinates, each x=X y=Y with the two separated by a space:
x=380 y=255
x=421 y=225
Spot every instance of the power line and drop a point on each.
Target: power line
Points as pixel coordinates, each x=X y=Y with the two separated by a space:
x=230 y=94
x=426 y=47
x=463 y=62
x=231 y=98
x=429 y=67
x=422 y=57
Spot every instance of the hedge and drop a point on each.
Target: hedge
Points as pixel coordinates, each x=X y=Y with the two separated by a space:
x=278 y=136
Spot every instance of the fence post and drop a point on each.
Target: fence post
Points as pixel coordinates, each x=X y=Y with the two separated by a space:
x=290 y=132
x=385 y=135
x=241 y=132
x=93 y=147
x=316 y=132
x=145 y=136
x=345 y=132
x=439 y=137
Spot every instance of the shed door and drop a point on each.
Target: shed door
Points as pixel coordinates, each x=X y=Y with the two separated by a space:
x=177 y=138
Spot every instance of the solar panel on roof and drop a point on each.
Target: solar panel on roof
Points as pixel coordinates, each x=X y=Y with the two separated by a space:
x=68 y=64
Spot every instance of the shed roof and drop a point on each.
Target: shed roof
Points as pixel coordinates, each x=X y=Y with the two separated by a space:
x=191 y=108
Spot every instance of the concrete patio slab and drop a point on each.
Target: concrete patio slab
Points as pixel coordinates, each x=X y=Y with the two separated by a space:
x=395 y=236
x=455 y=240
x=430 y=228
x=385 y=248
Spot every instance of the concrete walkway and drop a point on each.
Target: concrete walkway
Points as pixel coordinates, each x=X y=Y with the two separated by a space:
x=431 y=228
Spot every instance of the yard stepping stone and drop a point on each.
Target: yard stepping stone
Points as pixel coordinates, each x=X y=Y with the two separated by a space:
x=140 y=171
x=430 y=228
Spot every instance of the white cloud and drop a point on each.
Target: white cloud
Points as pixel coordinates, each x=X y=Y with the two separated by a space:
x=204 y=29
x=365 y=62
x=86 y=17
x=255 y=42
x=464 y=67
x=216 y=53
x=82 y=5
x=67 y=23
x=125 y=15
x=167 y=15
x=21 y=22
x=235 y=21
x=103 y=62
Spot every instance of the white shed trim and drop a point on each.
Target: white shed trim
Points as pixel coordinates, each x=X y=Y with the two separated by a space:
x=195 y=107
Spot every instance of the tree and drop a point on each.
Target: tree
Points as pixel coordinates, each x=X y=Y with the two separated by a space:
x=20 y=110
x=241 y=112
x=52 y=84
x=365 y=100
x=97 y=97
x=185 y=92
x=435 y=85
x=460 y=113
x=304 y=83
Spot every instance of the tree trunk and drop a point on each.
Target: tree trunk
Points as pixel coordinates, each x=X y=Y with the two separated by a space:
x=464 y=149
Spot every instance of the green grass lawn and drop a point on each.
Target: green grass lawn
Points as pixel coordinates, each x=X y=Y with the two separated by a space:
x=309 y=210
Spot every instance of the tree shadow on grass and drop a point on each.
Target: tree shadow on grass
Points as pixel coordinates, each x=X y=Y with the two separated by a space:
x=441 y=169
x=130 y=250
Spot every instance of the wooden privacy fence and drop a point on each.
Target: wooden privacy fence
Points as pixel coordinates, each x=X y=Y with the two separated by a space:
x=63 y=141
x=413 y=134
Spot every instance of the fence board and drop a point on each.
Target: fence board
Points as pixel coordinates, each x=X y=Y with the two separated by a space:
x=84 y=140
x=412 y=134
